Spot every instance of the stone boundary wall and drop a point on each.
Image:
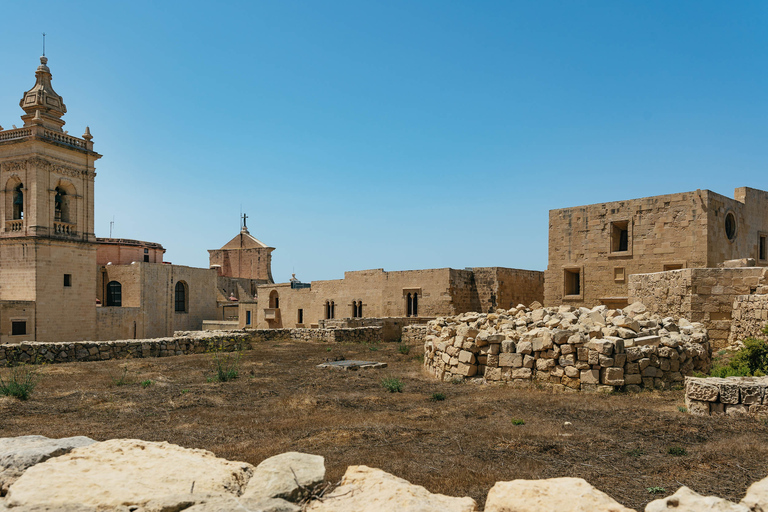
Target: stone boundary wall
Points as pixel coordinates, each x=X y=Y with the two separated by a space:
x=192 y=342
x=392 y=327
x=414 y=334
x=733 y=396
x=703 y=295
x=750 y=315
x=580 y=349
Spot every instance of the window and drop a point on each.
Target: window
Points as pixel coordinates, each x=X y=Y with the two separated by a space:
x=761 y=248
x=18 y=202
x=620 y=236
x=274 y=300
x=247 y=318
x=181 y=297
x=67 y=280
x=301 y=316
x=146 y=255
x=357 y=309
x=332 y=308
x=673 y=266
x=412 y=304
x=572 y=281
x=18 y=327
x=619 y=274
x=730 y=226
x=114 y=294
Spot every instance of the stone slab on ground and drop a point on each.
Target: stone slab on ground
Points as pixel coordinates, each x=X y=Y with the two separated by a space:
x=686 y=500
x=352 y=365
x=556 y=494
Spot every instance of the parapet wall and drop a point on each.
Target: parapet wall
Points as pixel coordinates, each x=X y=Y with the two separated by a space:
x=703 y=295
x=564 y=346
x=734 y=396
x=196 y=342
x=750 y=315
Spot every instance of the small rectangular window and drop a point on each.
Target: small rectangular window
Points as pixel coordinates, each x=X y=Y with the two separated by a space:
x=572 y=281
x=620 y=236
x=146 y=258
x=18 y=327
x=673 y=266
x=247 y=318
x=761 y=249
x=67 y=279
x=301 y=316
x=619 y=274
x=146 y=251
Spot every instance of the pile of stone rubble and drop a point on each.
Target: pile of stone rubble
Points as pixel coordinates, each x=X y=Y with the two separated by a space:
x=576 y=348
x=77 y=474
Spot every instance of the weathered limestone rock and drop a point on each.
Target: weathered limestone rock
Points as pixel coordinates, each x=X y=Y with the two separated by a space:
x=756 y=498
x=19 y=453
x=697 y=389
x=126 y=472
x=686 y=500
x=365 y=489
x=289 y=476
x=697 y=407
x=554 y=494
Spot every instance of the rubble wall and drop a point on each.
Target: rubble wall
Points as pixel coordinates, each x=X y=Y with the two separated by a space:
x=733 y=396
x=582 y=349
x=750 y=315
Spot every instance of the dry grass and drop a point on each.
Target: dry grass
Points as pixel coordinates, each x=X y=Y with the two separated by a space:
x=459 y=446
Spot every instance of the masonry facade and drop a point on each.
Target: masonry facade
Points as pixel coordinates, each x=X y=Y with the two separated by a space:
x=594 y=249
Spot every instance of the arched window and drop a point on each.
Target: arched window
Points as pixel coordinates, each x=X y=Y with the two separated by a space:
x=332 y=309
x=274 y=300
x=181 y=297
x=415 y=304
x=408 y=305
x=412 y=304
x=354 y=309
x=114 y=294
x=360 y=309
x=327 y=308
x=64 y=202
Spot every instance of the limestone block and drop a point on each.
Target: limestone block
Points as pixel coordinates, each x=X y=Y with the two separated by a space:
x=604 y=347
x=605 y=361
x=634 y=309
x=365 y=489
x=567 y=349
x=19 y=453
x=593 y=357
x=619 y=360
x=492 y=360
x=634 y=379
x=612 y=376
x=554 y=494
x=582 y=353
x=686 y=500
x=495 y=348
x=623 y=322
x=577 y=339
x=572 y=372
x=524 y=347
x=633 y=354
x=467 y=331
x=492 y=373
x=643 y=363
x=651 y=371
x=528 y=361
x=626 y=333
x=496 y=338
x=760 y=411
x=631 y=368
x=595 y=317
x=756 y=498
x=126 y=472
x=568 y=360
x=466 y=357
x=466 y=370
x=736 y=410
x=521 y=373
x=729 y=392
x=545 y=365
x=288 y=476
x=716 y=408
x=560 y=336
x=508 y=360
x=751 y=393
x=590 y=376
x=697 y=407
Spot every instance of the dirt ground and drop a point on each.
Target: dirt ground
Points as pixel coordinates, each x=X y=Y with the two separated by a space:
x=459 y=446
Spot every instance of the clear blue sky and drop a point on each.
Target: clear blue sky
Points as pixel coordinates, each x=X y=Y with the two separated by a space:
x=394 y=134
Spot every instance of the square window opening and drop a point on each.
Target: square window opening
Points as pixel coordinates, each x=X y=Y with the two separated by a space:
x=146 y=258
x=18 y=328
x=620 y=236
x=572 y=281
x=67 y=280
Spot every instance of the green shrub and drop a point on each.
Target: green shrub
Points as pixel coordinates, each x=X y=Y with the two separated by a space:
x=518 y=422
x=403 y=349
x=146 y=383
x=677 y=451
x=682 y=408
x=636 y=452
x=392 y=384
x=752 y=360
x=437 y=397
x=20 y=384
x=226 y=366
x=656 y=490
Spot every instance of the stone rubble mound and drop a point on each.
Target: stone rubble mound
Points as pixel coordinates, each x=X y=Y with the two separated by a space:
x=573 y=348
x=129 y=475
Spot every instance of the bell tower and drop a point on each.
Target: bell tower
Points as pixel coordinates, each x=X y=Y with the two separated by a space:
x=47 y=242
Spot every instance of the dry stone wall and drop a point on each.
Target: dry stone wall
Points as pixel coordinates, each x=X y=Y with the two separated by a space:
x=750 y=315
x=734 y=396
x=182 y=343
x=580 y=349
x=414 y=334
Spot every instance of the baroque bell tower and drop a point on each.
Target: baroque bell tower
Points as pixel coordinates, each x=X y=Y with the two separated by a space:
x=47 y=241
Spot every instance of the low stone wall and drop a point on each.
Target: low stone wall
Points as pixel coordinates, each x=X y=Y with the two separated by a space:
x=575 y=348
x=392 y=327
x=750 y=315
x=182 y=343
x=220 y=325
x=414 y=334
x=734 y=396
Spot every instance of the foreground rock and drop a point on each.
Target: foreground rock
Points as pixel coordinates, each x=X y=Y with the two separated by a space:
x=686 y=500
x=365 y=489
x=289 y=476
x=556 y=494
x=757 y=496
x=17 y=454
x=126 y=472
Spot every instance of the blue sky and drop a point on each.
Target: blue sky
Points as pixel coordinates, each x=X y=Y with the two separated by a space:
x=394 y=134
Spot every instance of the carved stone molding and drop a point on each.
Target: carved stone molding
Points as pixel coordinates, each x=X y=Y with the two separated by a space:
x=65 y=170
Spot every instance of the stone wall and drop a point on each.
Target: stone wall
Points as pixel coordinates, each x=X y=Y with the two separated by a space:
x=703 y=295
x=750 y=316
x=181 y=343
x=391 y=328
x=734 y=396
x=414 y=334
x=564 y=346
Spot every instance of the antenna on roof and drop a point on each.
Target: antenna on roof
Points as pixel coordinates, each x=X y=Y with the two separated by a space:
x=111 y=225
x=43 y=44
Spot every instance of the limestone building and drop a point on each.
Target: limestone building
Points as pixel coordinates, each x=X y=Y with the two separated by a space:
x=411 y=294
x=594 y=249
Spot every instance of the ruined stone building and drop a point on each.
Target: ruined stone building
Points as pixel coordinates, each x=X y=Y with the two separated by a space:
x=594 y=249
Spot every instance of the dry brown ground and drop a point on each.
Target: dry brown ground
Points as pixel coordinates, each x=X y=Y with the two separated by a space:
x=459 y=446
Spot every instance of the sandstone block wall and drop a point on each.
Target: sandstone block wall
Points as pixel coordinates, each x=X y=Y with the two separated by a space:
x=391 y=328
x=703 y=295
x=750 y=315
x=574 y=348
x=181 y=343
x=734 y=396
x=414 y=334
